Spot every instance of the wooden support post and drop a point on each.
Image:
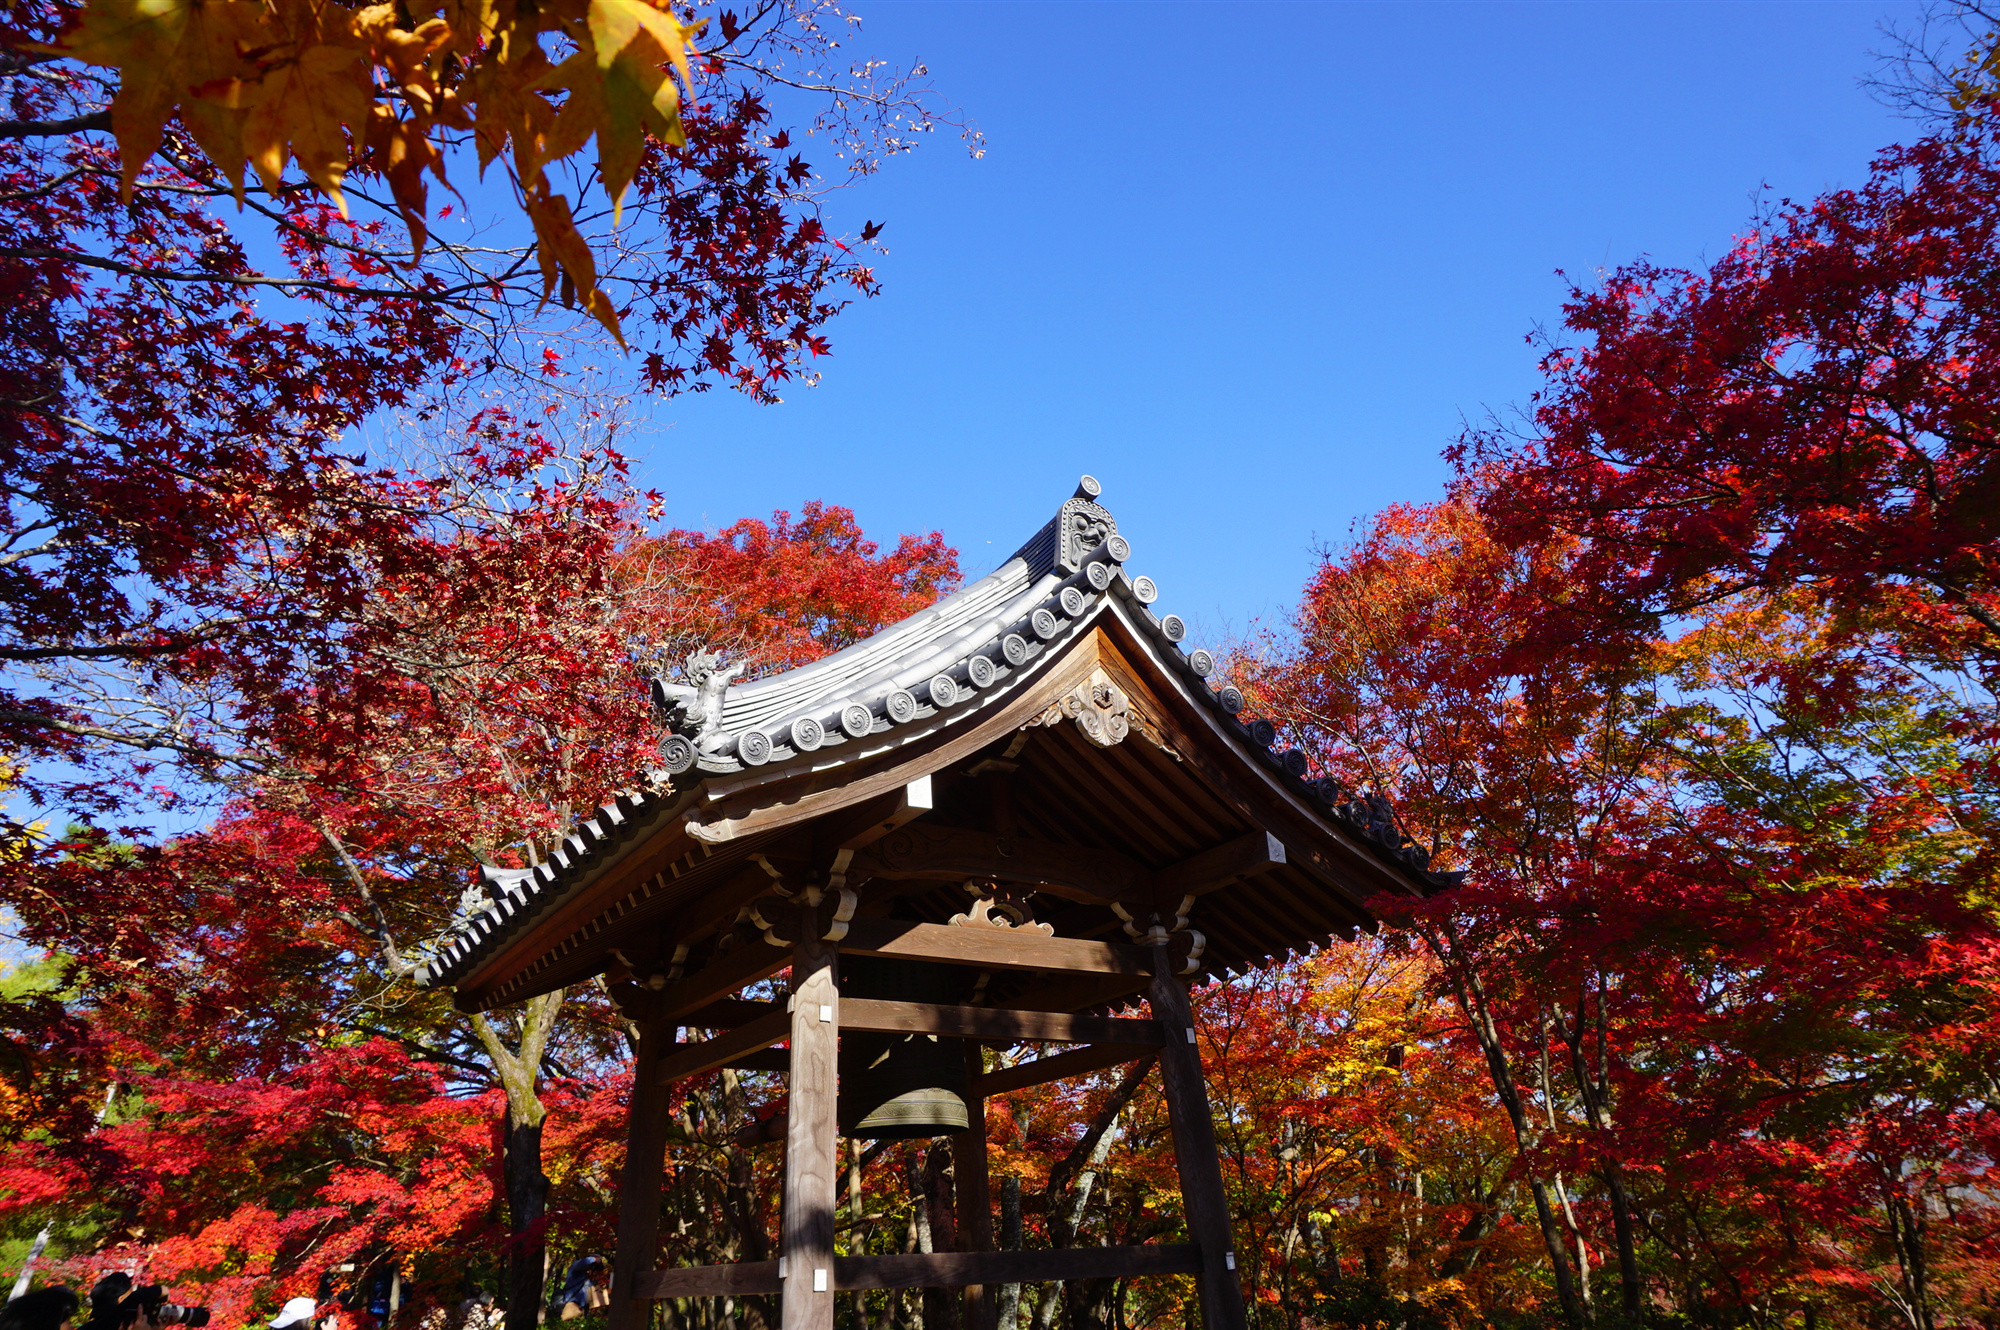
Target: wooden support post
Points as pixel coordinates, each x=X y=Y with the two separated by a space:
x=811 y=1170
x=975 y=1194
x=1195 y=1155
x=638 y=1247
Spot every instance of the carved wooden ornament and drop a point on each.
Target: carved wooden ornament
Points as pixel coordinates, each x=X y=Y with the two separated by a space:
x=1099 y=707
x=1013 y=915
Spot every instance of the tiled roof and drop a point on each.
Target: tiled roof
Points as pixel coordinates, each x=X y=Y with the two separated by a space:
x=961 y=655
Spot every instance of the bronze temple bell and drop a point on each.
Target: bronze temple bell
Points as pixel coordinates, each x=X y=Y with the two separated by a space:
x=900 y=1087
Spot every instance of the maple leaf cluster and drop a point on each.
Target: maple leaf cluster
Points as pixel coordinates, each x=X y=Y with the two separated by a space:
x=384 y=87
x=1694 y=677
x=245 y=989
x=313 y=532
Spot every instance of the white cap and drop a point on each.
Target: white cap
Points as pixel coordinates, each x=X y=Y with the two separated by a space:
x=297 y=1311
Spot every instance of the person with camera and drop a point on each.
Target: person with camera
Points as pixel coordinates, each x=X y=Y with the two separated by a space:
x=116 y=1303
x=44 y=1309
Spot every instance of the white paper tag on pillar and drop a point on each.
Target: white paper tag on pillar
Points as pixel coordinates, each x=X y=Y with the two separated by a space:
x=826 y=1013
x=1190 y=1034
x=1230 y=1260
x=819 y=1279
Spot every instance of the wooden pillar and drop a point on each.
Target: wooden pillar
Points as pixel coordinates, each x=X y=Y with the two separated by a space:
x=805 y=1246
x=638 y=1250
x=1195 y=1155
x=975 y=1195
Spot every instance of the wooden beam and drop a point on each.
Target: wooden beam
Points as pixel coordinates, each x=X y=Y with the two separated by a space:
x=1196 y=1158
x=1058 y=1066
x=1078 y=871
x=639 y=1188
x=1229 y=862
x=949 y=1269
x=905 y=806
x=955 y=1269
x=725 y=1014
x=979 y=1303
x=1077 y=993
x=748 y=963
x=993 y=1024
x=769 y=1059
x=724 y=1049
x=811 y=1177
x=991 y=948
x=710 y=1281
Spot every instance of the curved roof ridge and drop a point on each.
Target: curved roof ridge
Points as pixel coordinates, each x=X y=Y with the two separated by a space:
x=761 y=700
x=963 y=653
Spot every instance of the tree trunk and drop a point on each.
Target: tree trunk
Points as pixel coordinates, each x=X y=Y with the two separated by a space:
x=1595 y=1092
x=527 y=1186
x=1907 y=1230
x=527 y=1204
x=857 y=1229
x=1466 y=1245
x=1010 y=1240
x=941 y=1305
x=1469 y=991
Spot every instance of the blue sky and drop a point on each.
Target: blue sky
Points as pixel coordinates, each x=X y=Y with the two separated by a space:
x=1253 y=265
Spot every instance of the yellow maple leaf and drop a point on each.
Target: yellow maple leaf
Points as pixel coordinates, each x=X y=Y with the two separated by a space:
x=635 y=30
x=619 y=90
x=306 y=107
x=638 y=98
x=163 y=50
x=582 y=110
x=509 y=111
x=405 y=54
x=471 y=22
x=562 y=251
x=402 y=152
x=620 y=105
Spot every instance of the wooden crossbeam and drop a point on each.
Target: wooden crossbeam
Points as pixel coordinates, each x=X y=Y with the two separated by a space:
x=747 y=964
x=708 y=1281
x=724 y=1014
x=723 y=1050
x=930 y=1270
x=1058 y=1066
x=741 y=1046
x=994 y=1024
x=931 y=850
x=991 y=948
x=952 y=1269
x=1075 y=993
x=1231 y=861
